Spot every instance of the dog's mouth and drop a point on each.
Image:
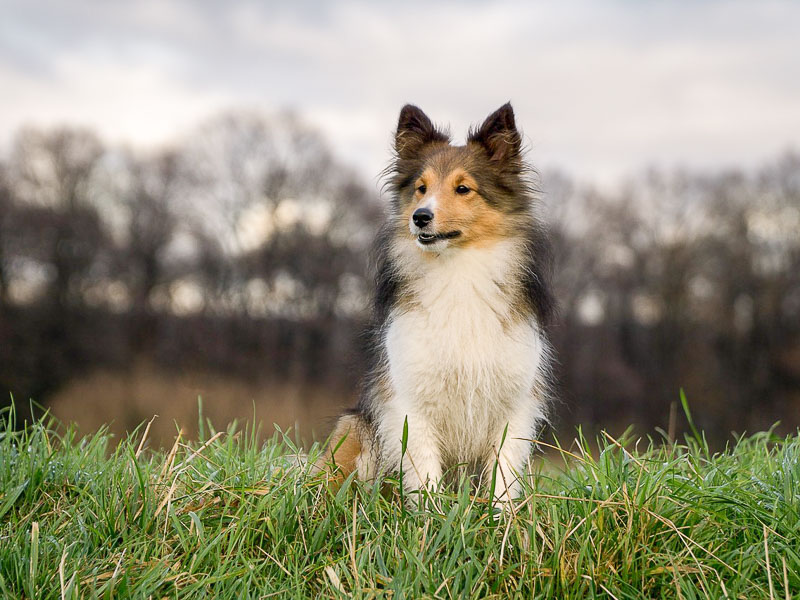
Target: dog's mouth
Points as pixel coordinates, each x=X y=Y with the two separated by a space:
x=430 y=238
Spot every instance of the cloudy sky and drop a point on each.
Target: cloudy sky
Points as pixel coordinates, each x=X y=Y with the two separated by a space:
x=601 y=89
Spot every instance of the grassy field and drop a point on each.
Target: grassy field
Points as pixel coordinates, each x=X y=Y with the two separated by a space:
x=228 y=517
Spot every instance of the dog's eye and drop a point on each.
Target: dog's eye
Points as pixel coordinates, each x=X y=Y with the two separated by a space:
x=462 y=189
x=422 y=189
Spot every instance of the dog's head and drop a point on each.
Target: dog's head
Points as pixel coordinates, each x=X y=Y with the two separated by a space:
x=457 y=196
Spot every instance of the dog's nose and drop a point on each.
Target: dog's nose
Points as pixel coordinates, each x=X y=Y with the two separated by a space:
x=422 y=216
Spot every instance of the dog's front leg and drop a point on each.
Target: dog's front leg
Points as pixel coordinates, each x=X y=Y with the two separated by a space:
x=419 y=458
x=511 y=453
x=422 y=464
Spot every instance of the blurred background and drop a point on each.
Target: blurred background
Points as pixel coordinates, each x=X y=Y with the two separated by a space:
x=188 y=191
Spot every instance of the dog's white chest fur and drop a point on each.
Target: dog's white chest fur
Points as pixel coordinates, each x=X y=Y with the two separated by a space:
x=459 y=357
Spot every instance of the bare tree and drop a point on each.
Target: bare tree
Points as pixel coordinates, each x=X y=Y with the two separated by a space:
x=55 y=173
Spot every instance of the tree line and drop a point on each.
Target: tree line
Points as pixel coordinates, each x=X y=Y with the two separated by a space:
x=244 y=248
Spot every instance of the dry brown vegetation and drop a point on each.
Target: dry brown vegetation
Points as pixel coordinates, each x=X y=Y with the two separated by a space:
x=124 y=400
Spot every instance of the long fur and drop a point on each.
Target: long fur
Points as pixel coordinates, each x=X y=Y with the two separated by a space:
x=459 y=346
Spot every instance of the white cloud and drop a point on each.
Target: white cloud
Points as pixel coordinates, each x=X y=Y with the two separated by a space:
x=137 y=105
x=600 y=88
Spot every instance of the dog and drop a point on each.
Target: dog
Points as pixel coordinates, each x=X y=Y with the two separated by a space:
x=460 y=371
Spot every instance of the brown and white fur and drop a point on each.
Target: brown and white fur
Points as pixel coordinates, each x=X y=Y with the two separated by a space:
x=461 y=308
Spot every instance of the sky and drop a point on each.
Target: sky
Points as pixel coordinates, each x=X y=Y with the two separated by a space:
x=601 y=89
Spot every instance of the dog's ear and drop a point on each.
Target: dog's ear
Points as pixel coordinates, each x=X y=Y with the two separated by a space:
x=499 y=136
x=414 y=130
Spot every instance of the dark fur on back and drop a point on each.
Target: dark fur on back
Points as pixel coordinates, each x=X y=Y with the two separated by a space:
x=537 y=293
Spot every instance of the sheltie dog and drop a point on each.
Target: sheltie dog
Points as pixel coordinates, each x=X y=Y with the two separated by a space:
x=460 y=372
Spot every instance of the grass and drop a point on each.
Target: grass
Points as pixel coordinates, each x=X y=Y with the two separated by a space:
x=228 y=517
